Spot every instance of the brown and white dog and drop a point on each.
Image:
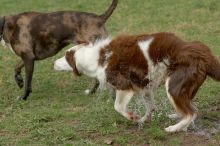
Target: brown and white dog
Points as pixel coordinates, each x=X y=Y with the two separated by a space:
x=138 y=64
x=36 y=36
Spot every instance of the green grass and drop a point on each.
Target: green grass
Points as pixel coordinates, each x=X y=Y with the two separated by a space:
x=58 y=112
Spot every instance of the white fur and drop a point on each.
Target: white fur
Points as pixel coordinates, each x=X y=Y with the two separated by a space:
x=61 y=64
x=87 y=61
x=6 y=45
x=122 y=99
x=182 y=125
x=144 y=46
x=87 y=91
x=168 y=94
x=86 y=58
x=185 y=121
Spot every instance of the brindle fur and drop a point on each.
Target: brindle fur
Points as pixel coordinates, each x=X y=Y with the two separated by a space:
x=36 y=36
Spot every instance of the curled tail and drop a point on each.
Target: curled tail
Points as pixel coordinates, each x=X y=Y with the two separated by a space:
x=214 y=69
x=109 y=12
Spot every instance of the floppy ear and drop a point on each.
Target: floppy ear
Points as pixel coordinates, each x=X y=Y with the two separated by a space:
x=71 y=61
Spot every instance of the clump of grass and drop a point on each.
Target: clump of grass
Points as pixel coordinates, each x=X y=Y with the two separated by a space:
x=156 y=132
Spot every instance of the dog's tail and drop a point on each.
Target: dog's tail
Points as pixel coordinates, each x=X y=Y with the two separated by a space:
x=214 y=69
x=109 y=12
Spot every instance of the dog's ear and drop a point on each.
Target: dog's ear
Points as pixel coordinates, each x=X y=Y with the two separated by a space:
x=71 y=61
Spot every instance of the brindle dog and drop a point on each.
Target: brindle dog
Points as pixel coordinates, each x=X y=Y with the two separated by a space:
x=36 y=36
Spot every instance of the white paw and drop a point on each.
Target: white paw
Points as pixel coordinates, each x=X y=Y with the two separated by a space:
x=18 y=98
x=174 y=128
x=174 y=116
x=171 y=129
x=87 y=91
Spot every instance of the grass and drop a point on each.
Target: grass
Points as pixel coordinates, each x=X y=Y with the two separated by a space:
x=58 y=112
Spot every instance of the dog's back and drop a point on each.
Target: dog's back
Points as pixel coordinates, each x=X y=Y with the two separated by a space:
x=48 y=33
x=184 y=66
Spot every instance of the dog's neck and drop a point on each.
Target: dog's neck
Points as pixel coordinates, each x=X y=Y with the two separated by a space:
x=87 y=58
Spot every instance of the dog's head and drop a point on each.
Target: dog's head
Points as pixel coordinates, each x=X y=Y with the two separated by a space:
x=91 y=30
x=67 y=62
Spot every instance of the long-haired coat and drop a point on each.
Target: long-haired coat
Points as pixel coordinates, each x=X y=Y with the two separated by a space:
x=139 y=64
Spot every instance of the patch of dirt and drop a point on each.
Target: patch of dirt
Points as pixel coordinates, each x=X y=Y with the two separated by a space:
x=205 y=131
x=208 y=122
x=4 y=133
x=194 y=140
x=205 y=128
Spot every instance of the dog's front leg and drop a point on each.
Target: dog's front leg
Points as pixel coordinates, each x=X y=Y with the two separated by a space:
x=149 y=106
x=29 y=69
x=18 y=76
x=94 y=88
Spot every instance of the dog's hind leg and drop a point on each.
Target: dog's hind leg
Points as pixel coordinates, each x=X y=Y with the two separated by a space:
x=181 y=86
x=18 y=77
x=29 y=69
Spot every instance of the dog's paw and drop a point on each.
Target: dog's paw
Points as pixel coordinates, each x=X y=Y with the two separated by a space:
x=146 y=119
x=171 y=129
x=20 y=98
x=19 y=80
x=175 y=128
x=133 y=117
x=87 y=91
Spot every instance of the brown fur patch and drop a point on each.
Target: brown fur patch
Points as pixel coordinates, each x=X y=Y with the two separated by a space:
x=127 y=66
x=189 y=64
x=71 y=61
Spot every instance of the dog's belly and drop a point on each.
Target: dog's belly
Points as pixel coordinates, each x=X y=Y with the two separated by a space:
x=150 y=82
x=45 y=51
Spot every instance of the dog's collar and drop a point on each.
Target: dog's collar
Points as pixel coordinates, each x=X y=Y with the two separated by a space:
x=2 y=29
